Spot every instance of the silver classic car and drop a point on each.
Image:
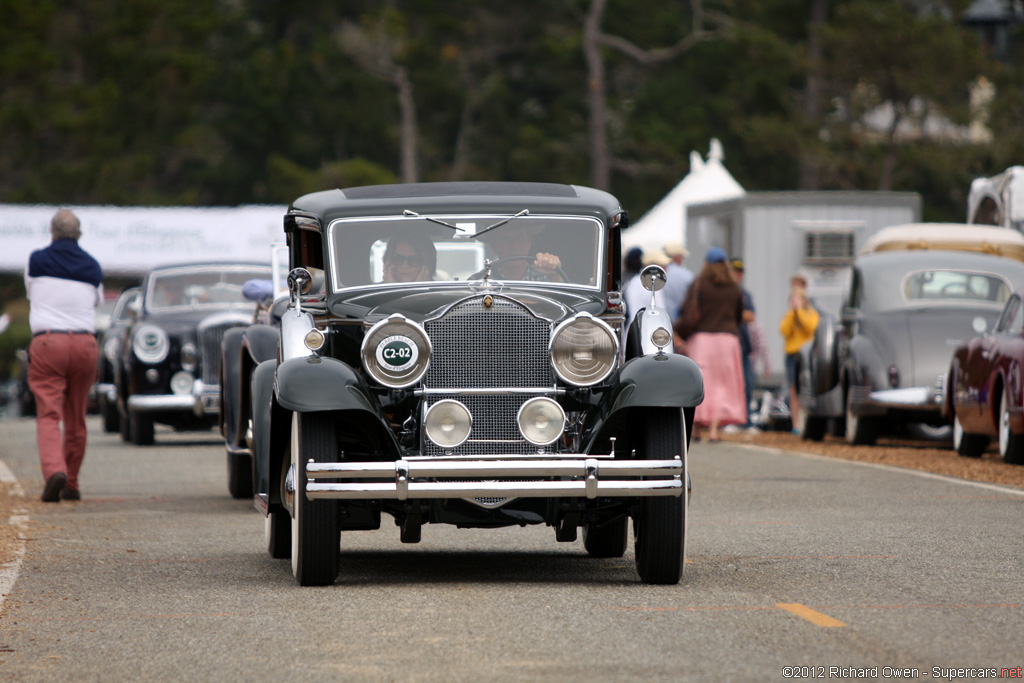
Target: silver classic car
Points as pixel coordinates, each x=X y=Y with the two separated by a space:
x=462 y=364
x=883 y=364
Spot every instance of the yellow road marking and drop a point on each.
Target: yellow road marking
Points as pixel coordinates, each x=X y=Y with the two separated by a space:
x=805 y=612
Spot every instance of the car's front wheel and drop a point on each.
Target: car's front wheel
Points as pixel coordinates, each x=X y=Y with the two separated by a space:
x=1011 y=446
x=861 y=430
x=140 y=428
x=606 y=540
x=812 y=427
x=660 y=525
x=239 y=474
x=315 y=534
x=111 y=416
x=966 y=444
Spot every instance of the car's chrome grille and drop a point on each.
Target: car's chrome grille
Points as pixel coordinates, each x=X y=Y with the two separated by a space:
x=210 y=336
x=498 y=347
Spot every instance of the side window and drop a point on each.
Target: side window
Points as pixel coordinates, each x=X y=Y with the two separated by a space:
x=307 y=251
x=1012 y=320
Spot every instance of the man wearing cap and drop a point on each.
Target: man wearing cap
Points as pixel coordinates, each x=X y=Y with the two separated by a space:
x=746 y=347
x=64 y=286
x=678 y=278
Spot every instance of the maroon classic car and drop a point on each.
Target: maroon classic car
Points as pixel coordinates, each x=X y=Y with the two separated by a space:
x=985 y=388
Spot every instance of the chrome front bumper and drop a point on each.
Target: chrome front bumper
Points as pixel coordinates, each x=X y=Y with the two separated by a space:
x=204 y=400
x=578 y=476
x=865 y=402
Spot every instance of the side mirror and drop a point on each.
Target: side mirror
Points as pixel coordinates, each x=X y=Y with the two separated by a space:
x=300 y=281
x=653 y=278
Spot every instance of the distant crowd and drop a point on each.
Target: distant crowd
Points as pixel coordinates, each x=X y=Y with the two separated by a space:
x=715 y=324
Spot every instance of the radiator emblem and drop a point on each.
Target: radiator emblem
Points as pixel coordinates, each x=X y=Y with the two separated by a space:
x=488 y=301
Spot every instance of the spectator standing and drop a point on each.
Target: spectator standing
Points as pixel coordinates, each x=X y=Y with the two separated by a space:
x=64 y=285
x=797 y=328
x=709 y=323
x=634 y=294
x=678 y=278
x=632 y=263
x=746 y=345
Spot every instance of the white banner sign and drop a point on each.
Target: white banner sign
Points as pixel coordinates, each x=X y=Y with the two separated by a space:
x=131 y=240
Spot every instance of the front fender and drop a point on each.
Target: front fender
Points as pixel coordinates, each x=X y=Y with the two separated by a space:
x=261 y=342
x=312 y=384
x=659 y=381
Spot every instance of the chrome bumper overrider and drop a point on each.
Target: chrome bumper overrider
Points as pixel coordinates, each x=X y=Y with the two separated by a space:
x=580 y=477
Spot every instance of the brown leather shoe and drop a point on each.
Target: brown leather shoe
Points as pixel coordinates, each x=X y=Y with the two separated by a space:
x=68 y=493
x=53 y=488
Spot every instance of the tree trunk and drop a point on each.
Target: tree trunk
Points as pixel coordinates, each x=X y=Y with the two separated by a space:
x=409 y=130
x=600 y=164
x=810 y=173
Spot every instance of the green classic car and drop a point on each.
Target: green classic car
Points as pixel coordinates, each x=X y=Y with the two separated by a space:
x=454 y=353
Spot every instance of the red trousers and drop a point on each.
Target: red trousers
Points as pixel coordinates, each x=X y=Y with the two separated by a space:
x=61 y=369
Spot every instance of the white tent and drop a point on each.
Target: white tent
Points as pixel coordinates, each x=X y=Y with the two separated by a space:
x=666 y=221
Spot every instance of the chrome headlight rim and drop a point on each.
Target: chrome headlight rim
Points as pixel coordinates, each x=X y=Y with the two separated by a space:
x=429 y=424
x=112 y=348
x=610 y=364
x=546 y=401
x=398 y=334
x=151 y=352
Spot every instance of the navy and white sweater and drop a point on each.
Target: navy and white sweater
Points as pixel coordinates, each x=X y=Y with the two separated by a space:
x=64 y=285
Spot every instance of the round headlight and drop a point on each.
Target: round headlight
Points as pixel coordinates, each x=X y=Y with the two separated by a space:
x=151 y=344
x=396 y=352
x=111 y=348
x=189 y=359
x=584 y=350
x=181 y=383
x=541 y=421
x=448 y=423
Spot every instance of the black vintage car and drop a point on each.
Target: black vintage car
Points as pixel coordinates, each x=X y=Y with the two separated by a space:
x=111 y=341
x=462 y=364
x=883 y=364
x=242 y=349
x=170 y=358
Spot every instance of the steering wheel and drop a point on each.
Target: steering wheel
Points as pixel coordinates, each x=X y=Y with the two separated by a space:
x=961 y=288
x=496 y=266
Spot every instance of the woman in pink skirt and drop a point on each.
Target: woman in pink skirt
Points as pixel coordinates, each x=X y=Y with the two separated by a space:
x=709 y=322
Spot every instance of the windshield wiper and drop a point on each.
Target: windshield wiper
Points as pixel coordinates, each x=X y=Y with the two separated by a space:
x=502 y=222
x=407 y=212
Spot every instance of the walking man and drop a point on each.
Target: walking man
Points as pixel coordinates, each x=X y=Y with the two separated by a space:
x=64 y=285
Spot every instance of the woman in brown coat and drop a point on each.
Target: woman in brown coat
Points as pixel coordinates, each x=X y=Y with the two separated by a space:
x=709 y=322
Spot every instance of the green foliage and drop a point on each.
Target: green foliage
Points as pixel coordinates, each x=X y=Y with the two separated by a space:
x=175 y=102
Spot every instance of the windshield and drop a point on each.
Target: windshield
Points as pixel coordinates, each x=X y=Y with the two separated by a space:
x=554 y=249
x=216 y=287
x=936 y=285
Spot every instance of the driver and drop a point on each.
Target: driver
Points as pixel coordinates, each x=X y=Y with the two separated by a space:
x=517 y=240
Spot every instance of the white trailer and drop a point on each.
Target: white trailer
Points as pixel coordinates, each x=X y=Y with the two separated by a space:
x=779 y=234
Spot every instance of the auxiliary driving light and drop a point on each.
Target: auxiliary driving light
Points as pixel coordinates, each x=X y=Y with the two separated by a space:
x=661 y=337
x=541 y=421
x=448 y=423
x=314 y=340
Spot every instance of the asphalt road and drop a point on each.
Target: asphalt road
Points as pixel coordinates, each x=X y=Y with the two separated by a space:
x=796 y=561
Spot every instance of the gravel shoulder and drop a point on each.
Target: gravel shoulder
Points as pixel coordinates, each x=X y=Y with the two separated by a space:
x=935 y=457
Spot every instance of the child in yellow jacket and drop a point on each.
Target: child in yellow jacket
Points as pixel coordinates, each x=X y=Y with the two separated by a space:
x=797 y=328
